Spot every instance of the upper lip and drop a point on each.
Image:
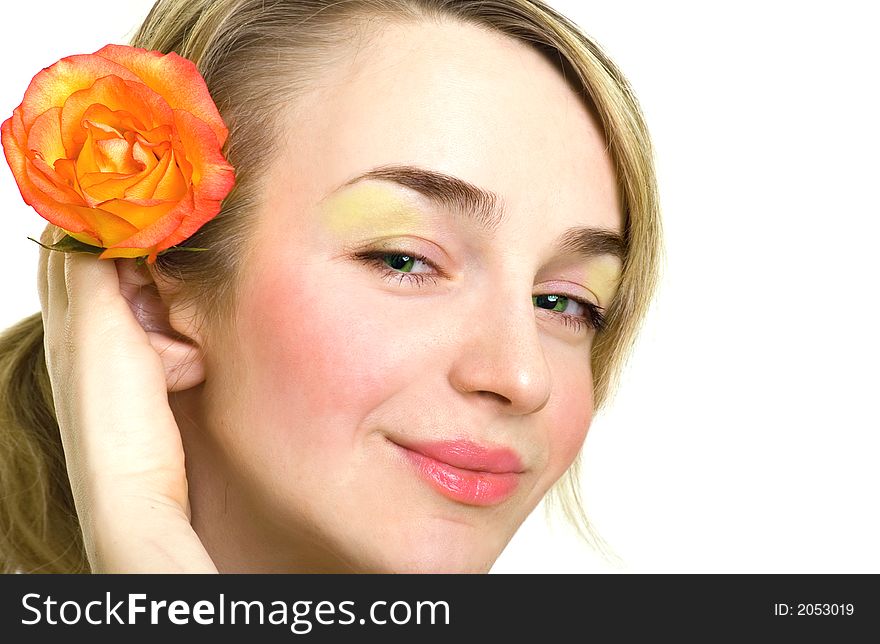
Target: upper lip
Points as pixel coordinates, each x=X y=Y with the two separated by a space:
x=466 y=454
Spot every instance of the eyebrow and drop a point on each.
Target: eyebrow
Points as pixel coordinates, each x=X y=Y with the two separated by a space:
x=486 y=208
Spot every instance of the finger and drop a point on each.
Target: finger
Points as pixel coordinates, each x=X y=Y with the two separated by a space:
x=97 y=313
x=92 y=284
x=56 y=291
x=47 y=238
x=42 y=260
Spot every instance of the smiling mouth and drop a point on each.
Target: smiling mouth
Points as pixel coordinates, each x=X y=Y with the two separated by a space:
x=465 y=472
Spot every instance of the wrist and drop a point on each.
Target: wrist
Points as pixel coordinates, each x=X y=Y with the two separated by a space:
x=152 y=538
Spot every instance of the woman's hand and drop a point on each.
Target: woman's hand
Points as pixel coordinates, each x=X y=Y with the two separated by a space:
x=123 y=448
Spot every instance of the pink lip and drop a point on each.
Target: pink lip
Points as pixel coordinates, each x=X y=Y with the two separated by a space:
x=466 y=472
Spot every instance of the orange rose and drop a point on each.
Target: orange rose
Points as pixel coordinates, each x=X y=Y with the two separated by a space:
x=121 y=149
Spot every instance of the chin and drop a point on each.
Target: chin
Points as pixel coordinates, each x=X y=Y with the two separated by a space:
x=437 y=547
x=442 y=564
x=436 y=559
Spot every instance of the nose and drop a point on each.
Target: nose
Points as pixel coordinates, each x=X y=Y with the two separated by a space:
x=500 y=356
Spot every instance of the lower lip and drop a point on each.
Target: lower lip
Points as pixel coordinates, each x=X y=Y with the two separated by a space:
x=465 y=486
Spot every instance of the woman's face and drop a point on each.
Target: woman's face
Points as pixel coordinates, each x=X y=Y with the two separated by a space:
x=411 y=370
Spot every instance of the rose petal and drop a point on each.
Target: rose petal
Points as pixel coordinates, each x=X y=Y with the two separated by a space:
x=155 y=169
x=100 y=177
x=105 y=226
x=148 y=154
x=45 y=136
x=212 y=176
x=112 y=253
x=43 y=154
x=171 y=184
x=116 y=155
x=66 y=170
x=141 y=214
x=87 y=161
x=106 y=123
x=51 y=183
x=54 y=84
x=112 y=94
x=85 y=238
x=161 y=233
x=63 y=216
x=161 y=135
x=175 y=78
x=190 y=225
x=100 y=187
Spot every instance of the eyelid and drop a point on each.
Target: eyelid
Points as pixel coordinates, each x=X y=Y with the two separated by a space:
x=375 y=260
x=379 y=253
x=417 y=247
x=594 y=317
x=571 y=290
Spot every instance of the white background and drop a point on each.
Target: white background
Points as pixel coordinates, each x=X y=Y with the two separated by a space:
x=745 y=435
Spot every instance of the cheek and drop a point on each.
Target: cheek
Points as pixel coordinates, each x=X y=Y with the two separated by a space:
x=315 y=357
x=570 y=416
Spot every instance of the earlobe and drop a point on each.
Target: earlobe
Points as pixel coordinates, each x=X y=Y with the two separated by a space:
x=151 y=301
x=183 y=361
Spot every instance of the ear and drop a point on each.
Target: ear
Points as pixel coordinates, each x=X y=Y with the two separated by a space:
x=171 y=331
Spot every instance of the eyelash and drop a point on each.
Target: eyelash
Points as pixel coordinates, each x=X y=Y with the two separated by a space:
x=594 y=319
x=375 y=259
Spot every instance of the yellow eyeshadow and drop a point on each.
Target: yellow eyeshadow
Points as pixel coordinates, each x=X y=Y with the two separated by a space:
x=604 y=278
x=364 y=207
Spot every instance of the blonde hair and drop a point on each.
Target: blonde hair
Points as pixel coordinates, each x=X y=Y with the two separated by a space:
x=256 y=57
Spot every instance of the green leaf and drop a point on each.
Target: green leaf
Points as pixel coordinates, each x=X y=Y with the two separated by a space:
x=174 y=248
x=68 y=244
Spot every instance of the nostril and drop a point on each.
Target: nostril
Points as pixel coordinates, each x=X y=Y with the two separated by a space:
x=495 y=396
x=506 y=369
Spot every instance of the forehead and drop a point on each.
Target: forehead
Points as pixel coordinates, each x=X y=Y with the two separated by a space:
x=464 y=101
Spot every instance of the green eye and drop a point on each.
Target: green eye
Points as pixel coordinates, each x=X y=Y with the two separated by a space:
x=403 y=263
x=550 y=302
